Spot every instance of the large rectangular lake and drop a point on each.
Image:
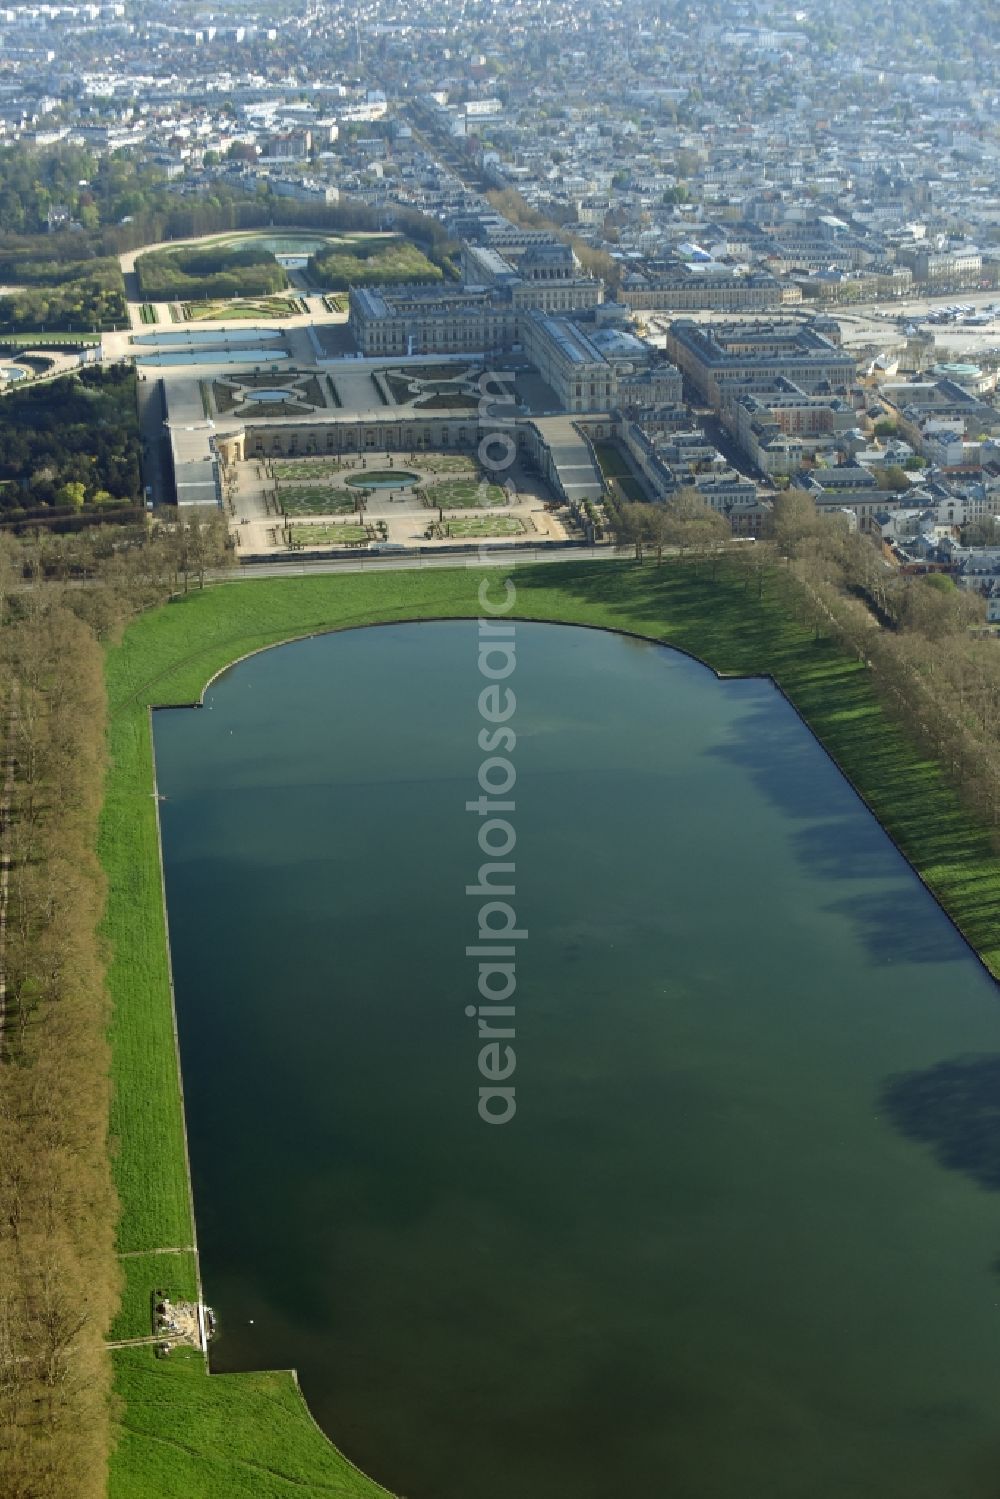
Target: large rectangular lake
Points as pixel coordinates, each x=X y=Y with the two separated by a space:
x=740 y=1240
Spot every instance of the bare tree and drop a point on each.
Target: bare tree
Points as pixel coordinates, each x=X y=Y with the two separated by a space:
x=632 y=530
x=794 y=517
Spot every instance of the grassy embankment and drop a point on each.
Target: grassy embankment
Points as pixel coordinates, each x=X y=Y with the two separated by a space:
x=184 y=1434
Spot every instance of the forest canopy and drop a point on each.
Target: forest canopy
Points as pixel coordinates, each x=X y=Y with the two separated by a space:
x=371 y=262
x=70 y=443
x=209 y=271
x=74 y=296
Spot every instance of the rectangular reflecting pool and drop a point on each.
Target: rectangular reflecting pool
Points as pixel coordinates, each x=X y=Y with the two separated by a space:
x=740 y=1240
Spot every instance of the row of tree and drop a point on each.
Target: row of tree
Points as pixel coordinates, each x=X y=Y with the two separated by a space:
x=684 y=524
x=59 y=1278
x=921 y=635
x=125 y=568
x=515 y=207
x=232 y=207
x=59 y=1274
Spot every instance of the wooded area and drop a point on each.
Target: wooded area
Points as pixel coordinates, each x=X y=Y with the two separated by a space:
x=685 y=523
x=921 y=636
x=64 y=285
x=70 y=443
x=84 y=297
x=121 y=201
x=66 y=215
x=58 y=1272
x=44 y=262
x=59 y=1275
x=207 y=271
x=371 y=262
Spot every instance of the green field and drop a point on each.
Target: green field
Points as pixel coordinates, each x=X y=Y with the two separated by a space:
x=239 y=309
x=449 y=463
x=335 y=535
x=462 y=494
x=294 y=469
x=174 y=1273
x=231 y=1436
x=184 y=1435
x=485 y=525
x=314 y=499
x=49 y=340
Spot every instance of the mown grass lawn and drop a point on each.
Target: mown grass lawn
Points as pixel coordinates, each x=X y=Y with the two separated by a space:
x=147 y=1122
x=232 y=1436
x=185 y=1434
x=486 y=525
x=297 y=469
x=448 y=463
x=313 y=535
x=244 y=308
x=303 y=499
x=175 y=1274
x=462 y=494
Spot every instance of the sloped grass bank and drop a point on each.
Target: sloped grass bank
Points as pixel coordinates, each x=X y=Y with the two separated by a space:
x=185 y=1433
x=190 y=1435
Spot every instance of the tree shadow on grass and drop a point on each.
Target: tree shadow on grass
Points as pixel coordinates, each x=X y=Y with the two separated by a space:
x=677 y=603
x=954 y=1109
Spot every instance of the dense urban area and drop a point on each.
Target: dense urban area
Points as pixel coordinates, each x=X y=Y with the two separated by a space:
x=723 y=281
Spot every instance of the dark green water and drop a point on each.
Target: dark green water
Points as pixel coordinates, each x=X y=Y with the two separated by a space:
x=739 y=1241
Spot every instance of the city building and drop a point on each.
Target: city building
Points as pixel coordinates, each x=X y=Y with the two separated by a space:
x=721 y=359
x=688 y=287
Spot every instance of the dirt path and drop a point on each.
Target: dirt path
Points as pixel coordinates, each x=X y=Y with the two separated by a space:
x=6 y=803
x=138 y=1254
